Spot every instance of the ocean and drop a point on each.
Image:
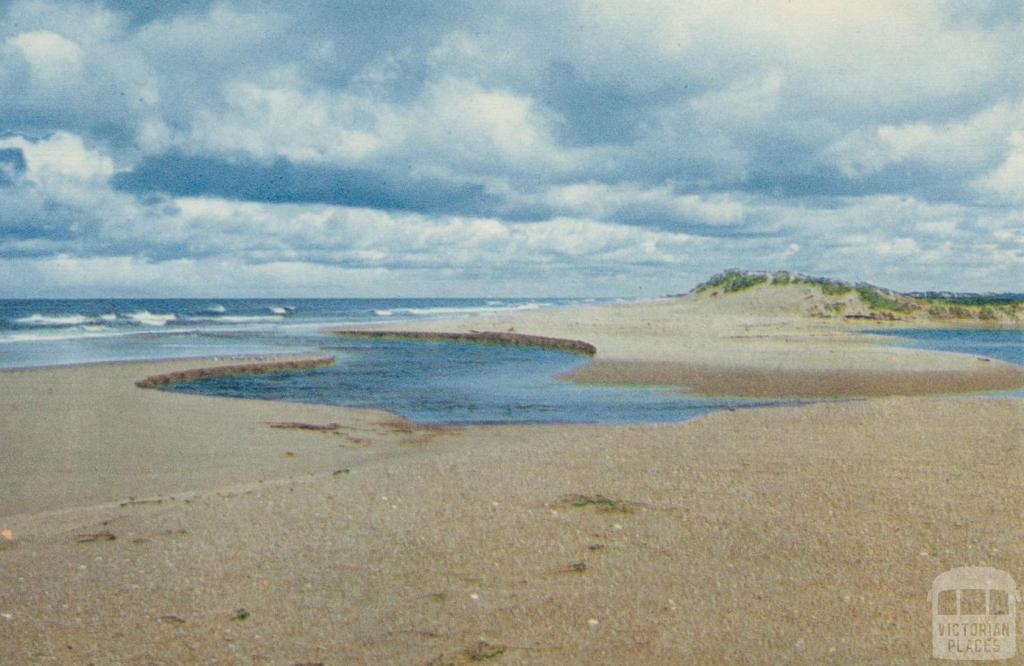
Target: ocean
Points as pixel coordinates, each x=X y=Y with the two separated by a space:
x=60 y=332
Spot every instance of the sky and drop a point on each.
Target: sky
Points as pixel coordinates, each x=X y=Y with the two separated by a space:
x=369 y=148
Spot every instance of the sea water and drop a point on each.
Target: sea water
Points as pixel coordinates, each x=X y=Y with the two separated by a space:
x=57 y=332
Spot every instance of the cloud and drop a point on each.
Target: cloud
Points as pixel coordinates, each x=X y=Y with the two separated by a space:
x=12 y=162
x=1007 y=180
x=453 y=126
x=629 y=149
x=56 y=198
x=51 y=57
x=282 y=181
x=721 y=215
x=68 y=68
x=933 y=160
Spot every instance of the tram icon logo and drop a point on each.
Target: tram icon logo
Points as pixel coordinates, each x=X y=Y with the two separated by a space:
x=974 y=614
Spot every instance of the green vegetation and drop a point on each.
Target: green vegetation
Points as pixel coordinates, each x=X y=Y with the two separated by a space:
x=876 y=299
x=485 y=651
x=827 y=286
x=734 y=280
x=739 y=282
x=602 y=503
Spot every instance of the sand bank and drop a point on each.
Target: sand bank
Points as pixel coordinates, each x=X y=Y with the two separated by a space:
x=755 y=382
x=251 y=366
x=806 y=534
x=489 y=337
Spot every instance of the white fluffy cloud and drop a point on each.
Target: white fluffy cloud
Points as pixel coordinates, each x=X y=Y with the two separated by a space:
x=965 y=145
x=1007 y=180
x=53 y=58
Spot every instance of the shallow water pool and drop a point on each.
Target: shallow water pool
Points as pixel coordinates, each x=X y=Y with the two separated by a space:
x=459 y=382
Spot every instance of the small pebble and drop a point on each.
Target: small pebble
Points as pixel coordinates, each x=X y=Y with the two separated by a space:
x=474 y=596
x=592 y=622
x=7 y=616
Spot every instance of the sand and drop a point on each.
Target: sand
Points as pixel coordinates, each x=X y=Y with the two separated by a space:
x=152 y=527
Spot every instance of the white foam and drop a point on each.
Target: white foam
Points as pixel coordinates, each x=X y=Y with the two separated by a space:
x=48 y=320
x=383 y=313
x=278 y=310
x=62 y=334
x=108 y=317
x=147 y=318
x=215 y=309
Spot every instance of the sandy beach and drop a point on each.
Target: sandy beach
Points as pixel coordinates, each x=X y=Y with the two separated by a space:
x=143 y=526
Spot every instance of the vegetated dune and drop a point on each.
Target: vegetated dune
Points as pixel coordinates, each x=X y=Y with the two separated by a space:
x=838 y=299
